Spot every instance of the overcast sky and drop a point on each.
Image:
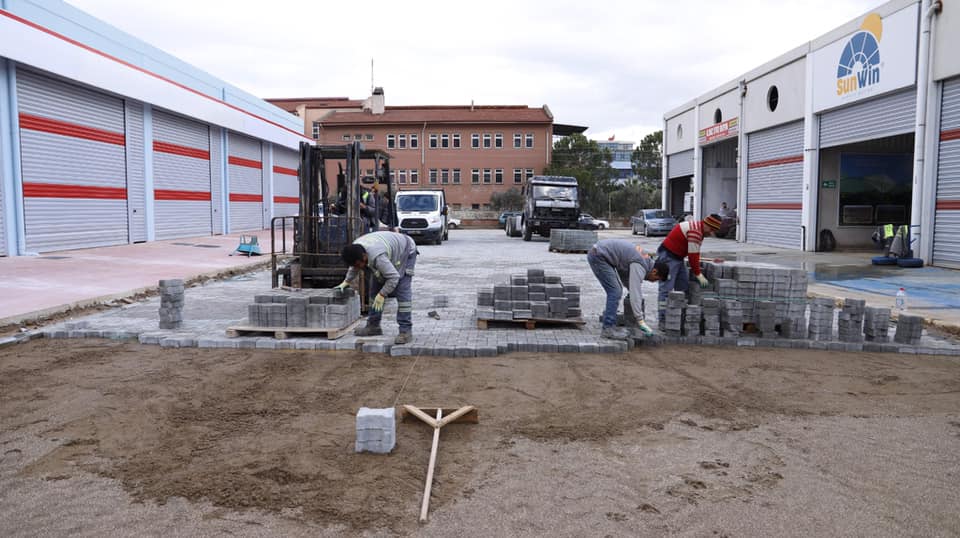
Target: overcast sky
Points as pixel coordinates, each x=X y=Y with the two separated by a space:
x=614 y=66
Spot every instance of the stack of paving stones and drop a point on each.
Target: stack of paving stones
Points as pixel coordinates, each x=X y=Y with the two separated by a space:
x=572 y=240
x=376 y=430
x=785 y=289
x=876 y=324
x=909 y=329
x=731 y=317
x=766 y=316
x=711 y=316
x=850 y=320
x=171 y=304
x=316 y=309
x=820 y=327
x=673 y=321
x=535 y=295
x=692 y=317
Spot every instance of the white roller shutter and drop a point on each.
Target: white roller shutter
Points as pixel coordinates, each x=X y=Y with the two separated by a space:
x=181 y=176
x=868 y=120
x=680 y=164
x=216 y=178
x=136 y=182
x=946 y=229
x=3 y=228
x=286 y=187
x=73 y=155
x=775 y=186
x=246 y=183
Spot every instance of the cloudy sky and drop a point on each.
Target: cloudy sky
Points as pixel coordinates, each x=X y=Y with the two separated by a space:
x=615 y=66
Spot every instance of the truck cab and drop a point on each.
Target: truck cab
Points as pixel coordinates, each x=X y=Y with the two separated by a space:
x=423 y=215
x=549 y=202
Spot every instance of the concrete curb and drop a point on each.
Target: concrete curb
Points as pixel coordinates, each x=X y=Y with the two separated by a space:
x=39 y=316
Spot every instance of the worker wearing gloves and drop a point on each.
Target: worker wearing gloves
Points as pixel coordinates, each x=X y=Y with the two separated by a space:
x=684 y=241
x=390 y=258
x=617 y=263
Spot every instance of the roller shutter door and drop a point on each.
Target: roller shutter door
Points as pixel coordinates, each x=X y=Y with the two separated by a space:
x=3 y=228
x=946 y=228
x=73 y=155
x=775 y=186
x=181 y=177
x=246 y=183
x=136 y=172
x=680 y=164
x=868 y=120
x=286 y=187
x=216 y=178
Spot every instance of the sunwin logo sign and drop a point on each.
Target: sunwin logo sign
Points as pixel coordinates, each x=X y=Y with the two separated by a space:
x=859 y=66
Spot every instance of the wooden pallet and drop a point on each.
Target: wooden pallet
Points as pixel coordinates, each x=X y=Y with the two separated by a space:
x=530 y=323
x=282 y=333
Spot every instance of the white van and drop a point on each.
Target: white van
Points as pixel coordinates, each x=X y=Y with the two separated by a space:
x=423 y=214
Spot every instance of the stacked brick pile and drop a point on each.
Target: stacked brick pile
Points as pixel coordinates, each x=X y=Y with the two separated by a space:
x=673 y=321
x=785 y=288
x=909 y=329
x=171 y=304
x=692 y=316
x=532 y=296
x=821 y=319
x=876 y=324
x=320 y=309
x=850 y=320
x=731 y=317
x=376 y=430
x=572 y=240
x=711 y=316
x=766 y=315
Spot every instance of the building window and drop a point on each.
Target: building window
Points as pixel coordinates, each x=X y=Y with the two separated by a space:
x=486 y=140
x=391 y=141
x=475 y=207
x=368 y=136
x=487 y=207
x=475 y=140
x=517 y=140
x=456 y=207
x=773 y=98
x=498 y=140
x=358 y=137
x=529 y=173
x=433 y=141
x=679 y=132
x=444 y=140
x=445 y=176
x=487 y=175
x=456 y=140
x=414 y=141
x=316 y=130
x=529 y=140
x=717 y=116
x=517 y=175
x=433 y=176
x=345 y=137
x=498 y=176
x=402 y=177
x=393 y=175
x=456 y=176
x=402 y=141
x=475 y=176
x=414 y=177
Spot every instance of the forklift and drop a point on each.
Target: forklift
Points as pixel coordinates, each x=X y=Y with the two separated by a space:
x=327 y=221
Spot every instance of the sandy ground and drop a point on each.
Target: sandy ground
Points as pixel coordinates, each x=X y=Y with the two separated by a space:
x=101 y=438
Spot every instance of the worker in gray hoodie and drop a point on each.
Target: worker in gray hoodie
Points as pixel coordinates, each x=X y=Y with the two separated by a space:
x=390 y=258
x=618 y=263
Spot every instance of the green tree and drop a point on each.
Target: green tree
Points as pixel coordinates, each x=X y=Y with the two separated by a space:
x=508 y=200
x=584 y=159
x=647 y=158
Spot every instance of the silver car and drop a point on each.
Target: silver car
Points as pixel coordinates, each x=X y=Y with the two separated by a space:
x=652 y=222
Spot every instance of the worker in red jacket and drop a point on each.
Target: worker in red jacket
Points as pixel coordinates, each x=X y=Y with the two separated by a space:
x=684 y=241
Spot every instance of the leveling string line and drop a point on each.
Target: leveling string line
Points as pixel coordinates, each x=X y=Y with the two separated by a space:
x=404 y=385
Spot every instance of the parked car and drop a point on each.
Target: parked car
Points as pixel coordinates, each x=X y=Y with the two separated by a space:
x=587 y=222
x=503 y=217
x=453 y=223
x=651 y=222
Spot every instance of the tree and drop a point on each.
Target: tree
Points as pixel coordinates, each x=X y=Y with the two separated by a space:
x=508 y=200
x=647 y=158
x=584 y=159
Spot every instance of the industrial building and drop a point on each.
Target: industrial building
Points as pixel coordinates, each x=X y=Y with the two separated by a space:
x=857 y=128
x=105 y=140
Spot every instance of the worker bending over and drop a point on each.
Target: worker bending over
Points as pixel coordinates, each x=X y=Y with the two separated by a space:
x=390 y=258
x=617 y=263
x=683 y=241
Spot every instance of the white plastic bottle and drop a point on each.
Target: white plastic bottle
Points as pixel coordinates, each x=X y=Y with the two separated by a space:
x=901 y=299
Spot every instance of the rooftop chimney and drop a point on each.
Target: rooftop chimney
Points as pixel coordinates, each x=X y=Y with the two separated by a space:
x=375 y=103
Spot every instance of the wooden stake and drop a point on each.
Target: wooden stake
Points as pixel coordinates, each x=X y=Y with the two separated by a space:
x=421 y=415
x=433 y=461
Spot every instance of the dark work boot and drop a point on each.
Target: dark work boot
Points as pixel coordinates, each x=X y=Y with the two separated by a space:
x=403 y=338
x=368 y=330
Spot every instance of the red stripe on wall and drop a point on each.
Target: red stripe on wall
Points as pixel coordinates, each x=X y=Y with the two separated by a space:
x=176 y=149
x=953 y=134
x=775 y=206
x=287 y=171
x=49 y=125
x=239 y=197
x=948 y=204
x=249 y=163
x=52 y=190
x=286 y=200
x=775 y=162
x=168 y=194
x=88 y=48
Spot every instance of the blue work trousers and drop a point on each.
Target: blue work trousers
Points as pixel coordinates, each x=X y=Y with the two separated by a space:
x=678 y=279
x=610 y=281
x=404 y=294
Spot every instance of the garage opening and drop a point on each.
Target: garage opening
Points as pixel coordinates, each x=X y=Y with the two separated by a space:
x=862 y=186
x=720 y=184
x=680 y=184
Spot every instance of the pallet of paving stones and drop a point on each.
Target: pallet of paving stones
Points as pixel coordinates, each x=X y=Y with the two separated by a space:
x=531 y=323
x=572 y=241
x=530 y=299
x=329 y=313
x=283 y=333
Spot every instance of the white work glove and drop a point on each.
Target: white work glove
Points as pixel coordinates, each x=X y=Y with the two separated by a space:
x=377 y=304
x=703 y=281
x=342 y=286
x=644 y=328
